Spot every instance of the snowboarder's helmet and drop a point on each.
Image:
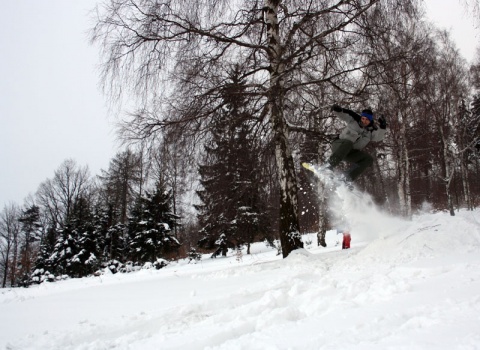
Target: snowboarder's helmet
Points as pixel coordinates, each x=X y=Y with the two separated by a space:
x=368 y=114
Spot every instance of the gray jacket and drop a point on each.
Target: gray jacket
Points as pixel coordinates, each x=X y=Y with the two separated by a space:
x=360 y=136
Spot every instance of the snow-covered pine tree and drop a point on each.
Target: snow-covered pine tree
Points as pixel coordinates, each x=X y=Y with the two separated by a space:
x=231 y=212
x=64 y=250
x=111 y=234
x=151 y=226
x=44 y=268
x=252 y=221
x=76 y=250
x=87 y=240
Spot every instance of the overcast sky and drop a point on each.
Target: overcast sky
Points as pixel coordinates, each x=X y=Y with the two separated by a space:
x=51 y=108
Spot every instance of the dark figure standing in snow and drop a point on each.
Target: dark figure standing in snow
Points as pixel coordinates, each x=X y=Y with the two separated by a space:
x=360 y=130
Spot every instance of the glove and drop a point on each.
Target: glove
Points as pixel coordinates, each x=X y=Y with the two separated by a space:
x=382 y=122
x=336 y=108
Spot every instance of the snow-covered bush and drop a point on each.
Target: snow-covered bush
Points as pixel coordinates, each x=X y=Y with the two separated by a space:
x=40 y=275
x=130 y=267
x=114 y=266
x=194 y=256
x=158 y=264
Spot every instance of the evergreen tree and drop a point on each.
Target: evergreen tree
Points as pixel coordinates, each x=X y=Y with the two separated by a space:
x=111 y=235
x=87 y=240
x=231 y=212
x=476 y=117
x=65 y=248
x=76 y=251
x=122 y=182
x=44 y=266
x=251 y=220
x=151 y=227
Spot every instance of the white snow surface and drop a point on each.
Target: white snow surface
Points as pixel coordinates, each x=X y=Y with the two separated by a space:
x=404 y=284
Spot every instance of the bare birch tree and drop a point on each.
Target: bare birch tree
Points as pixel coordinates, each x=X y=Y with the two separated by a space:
x=173 y=54
x=57 y=195
x=9 y=243
x=443 y=96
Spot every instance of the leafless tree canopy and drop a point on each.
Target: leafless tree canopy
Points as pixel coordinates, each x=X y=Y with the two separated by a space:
x=58 y=195
x=175 y=57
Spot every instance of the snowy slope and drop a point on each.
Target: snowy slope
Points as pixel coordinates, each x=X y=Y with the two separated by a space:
x=403 y=285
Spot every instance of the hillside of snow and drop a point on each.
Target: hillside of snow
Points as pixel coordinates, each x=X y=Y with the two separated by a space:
x=403 y=285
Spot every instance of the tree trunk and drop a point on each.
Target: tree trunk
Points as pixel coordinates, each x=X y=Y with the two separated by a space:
x=289 y=225
x=290 y=237
x=322 y=216
x=466 y=183
x=404 y=176
x=448 y=168
x=7 y=266
x=14 y=269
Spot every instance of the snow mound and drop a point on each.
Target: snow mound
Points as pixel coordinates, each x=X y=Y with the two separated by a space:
x=403 y=285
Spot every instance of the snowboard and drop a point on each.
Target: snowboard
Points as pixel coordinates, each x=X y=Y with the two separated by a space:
x=330 y=179
x=336 y=183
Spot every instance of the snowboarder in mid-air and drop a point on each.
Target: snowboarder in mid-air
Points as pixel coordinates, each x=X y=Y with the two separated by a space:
x=359 y=131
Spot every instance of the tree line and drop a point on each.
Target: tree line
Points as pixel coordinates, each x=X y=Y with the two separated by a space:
x=231 y=99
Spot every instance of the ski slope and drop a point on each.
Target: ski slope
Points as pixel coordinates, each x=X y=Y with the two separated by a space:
x=403 y=285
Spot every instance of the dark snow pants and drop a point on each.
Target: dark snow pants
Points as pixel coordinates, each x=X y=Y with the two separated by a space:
x=343 y=151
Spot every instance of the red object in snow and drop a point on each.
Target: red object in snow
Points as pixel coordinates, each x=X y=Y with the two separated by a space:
x=346 y=240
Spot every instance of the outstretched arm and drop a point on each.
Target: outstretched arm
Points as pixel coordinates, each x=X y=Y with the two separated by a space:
x=345 y=114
